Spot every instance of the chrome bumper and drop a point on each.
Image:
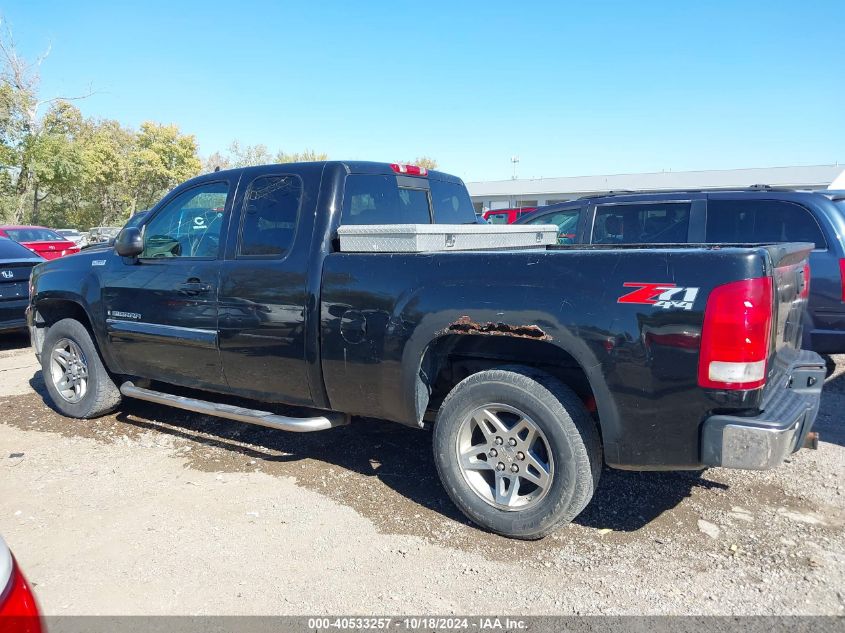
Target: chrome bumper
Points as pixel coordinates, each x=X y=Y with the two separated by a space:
x=764 y=441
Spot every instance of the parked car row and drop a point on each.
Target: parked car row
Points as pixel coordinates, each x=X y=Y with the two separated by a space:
x=53 y=243
x=16 y=263
x=100 y=234
x=22 y=247
x=42 y=241
x=77 y=237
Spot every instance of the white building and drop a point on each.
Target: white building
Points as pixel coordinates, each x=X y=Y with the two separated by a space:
x=534 y=192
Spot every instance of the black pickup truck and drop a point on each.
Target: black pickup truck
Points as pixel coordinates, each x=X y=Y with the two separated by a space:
x=532 y=367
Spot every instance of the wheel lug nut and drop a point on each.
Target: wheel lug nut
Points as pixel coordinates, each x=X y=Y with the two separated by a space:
x=514 y=468
x=500 y=466
x=499 y=440
x=493 y=452
x=512 y=442
x=520 y=455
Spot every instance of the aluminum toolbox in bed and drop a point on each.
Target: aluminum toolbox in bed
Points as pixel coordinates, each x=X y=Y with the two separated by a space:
x=426 y=238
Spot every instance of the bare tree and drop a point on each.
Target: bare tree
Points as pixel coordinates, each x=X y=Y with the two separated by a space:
x=20 y=80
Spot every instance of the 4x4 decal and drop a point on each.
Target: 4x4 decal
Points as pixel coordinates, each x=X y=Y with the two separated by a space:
x=660 y=295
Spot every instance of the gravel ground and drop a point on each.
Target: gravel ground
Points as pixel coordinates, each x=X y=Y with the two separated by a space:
x=157 y=511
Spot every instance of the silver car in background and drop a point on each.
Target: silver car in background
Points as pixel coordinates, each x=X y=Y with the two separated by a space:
x=77 y=237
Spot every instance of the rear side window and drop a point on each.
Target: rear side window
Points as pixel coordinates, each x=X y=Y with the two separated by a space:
x=452 y=204
x=567 y=224
x=271 y=208
x=498 y=218
x=379 y=200
x=647 y=223
x=761 y=221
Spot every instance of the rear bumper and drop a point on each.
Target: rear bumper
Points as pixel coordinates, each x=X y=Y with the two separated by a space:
x=764 y=441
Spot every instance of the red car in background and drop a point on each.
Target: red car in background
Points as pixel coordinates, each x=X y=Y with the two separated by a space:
x=506 y=216
x=40 y=240
x=18 y=608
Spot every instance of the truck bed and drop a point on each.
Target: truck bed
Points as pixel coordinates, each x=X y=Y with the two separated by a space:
x=639 y=361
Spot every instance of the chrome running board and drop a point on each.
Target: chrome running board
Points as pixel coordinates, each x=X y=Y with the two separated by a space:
x=240 y=414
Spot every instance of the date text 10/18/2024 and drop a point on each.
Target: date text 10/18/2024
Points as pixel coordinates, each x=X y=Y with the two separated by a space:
x=419 y=623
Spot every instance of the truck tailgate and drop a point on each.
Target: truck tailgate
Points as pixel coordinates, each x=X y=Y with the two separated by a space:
x=791 y=279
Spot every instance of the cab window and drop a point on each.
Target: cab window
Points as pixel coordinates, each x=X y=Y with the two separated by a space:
x=452 y=204
x=271 y=207
x=566 y=221
x=371 y=199
x=190 y=225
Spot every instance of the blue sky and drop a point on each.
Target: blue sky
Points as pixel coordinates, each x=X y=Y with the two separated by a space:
x=572 y=88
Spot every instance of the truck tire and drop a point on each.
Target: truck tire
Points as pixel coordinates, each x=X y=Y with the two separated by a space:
x=517 y=451
x=77 y=381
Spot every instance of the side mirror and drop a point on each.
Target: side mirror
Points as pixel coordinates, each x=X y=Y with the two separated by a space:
x=129 y=242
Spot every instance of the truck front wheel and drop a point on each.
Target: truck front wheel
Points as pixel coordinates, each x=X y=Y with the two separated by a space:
x=77 y=381
x=517 y=451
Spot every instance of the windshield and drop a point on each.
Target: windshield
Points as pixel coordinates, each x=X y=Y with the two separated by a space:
x=136 y=219
x=34 y=235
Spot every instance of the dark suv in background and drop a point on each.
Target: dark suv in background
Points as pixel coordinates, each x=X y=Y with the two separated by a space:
x=757 y=214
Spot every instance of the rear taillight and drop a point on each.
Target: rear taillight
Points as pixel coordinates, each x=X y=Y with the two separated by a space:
x=18 y=609
x=409 y=170
x=736 y=335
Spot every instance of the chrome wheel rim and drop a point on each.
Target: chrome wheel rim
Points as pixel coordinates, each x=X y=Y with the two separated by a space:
x=69 y=370
x=504 y=457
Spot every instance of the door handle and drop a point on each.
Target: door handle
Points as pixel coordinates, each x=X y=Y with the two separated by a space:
x=194 y=287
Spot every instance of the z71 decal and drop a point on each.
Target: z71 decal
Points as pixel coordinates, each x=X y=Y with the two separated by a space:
x=659 y=295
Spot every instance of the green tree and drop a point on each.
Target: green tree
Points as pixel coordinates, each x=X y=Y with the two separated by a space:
x=216 y=162
x=309 y=155
x=38 y=156
x=248 y=155
x=107 y=148
x=57 y=165
x=426 y=161
x=422 y=161
x=62 y=169
x=14 y=140
x=162 y=158
x=240 y=155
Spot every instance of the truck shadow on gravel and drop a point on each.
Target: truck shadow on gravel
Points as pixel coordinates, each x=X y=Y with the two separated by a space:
x=400 y=459
x=397 y=457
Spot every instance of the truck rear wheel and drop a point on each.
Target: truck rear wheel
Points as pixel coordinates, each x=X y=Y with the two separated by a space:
x=77 y=381
x=517 y=451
